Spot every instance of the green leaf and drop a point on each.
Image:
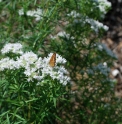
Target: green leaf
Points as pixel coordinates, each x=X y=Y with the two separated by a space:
x=54 y=101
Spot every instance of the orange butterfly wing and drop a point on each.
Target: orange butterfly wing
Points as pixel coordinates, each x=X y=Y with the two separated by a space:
x=52 y=60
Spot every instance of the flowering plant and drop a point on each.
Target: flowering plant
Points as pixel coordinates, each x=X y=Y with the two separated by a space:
x=31 y=85
x=31 y=89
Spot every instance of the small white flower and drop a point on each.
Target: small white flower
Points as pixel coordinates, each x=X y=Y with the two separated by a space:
x=38 y=14
x=33 y=13
x=59 y=59
x=12 y=47
x=38 y=63
x=4 y=63
x=74 y=14
x=30 y=13
x=21 y=12
x=63 y=34
x=27 y=58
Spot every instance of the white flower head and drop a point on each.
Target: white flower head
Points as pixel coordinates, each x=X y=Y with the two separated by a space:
x=74 y=14
x=62 y=34
x=33 y=13
x=27 y=59
x=21 y=12
x=96 y=25
x=4 y=63
x=12 y=47
x=8 y=63
x=30 y=13
x=56 y=72
x=103 y=6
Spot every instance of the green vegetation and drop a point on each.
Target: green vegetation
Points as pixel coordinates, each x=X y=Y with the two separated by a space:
x=69 y=28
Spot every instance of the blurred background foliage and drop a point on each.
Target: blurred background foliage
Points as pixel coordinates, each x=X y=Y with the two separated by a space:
x=91 y=98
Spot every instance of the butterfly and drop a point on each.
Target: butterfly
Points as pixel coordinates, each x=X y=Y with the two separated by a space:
x=52 y=60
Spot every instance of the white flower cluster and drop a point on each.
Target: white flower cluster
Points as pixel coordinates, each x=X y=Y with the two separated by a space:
x=74 y=14
x=62 y=34
x=95 y=25
x=103 y=5
x=12 y=47
x=8 y=63
x=34 y=67
x=33 y=13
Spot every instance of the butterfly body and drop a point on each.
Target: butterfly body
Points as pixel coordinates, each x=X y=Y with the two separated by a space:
x=52 y=61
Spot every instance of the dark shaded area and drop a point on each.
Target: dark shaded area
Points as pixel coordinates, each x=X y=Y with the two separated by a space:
x=113 y=19
x=113 y=39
